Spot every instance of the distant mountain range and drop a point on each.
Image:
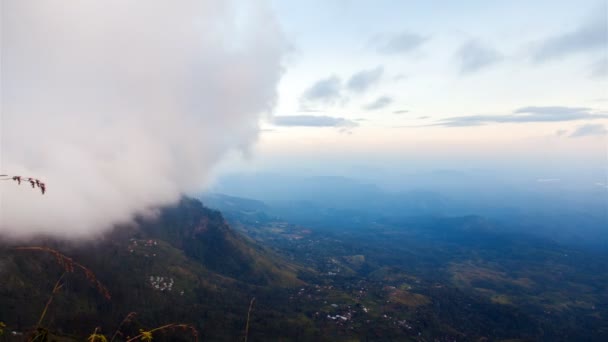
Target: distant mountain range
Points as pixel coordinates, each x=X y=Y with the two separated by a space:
x=551 y=210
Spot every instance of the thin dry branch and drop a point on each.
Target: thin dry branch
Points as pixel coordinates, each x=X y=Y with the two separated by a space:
x=34 y=182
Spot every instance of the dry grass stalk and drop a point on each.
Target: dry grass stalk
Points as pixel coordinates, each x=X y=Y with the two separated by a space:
x=248 y=317
x=69 y=265
x=56 y=289
x=127 y=319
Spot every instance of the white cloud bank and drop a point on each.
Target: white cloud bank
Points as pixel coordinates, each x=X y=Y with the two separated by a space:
x=121 y=106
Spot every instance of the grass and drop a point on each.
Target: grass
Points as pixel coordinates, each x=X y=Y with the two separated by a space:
x=69 y=265
x=248 y=317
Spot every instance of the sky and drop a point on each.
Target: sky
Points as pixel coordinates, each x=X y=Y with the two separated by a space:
x=471 y=81
x=123 y=106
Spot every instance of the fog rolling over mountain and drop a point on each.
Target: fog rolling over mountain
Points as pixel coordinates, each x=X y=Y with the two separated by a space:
x=327 y=171
x=126 y=106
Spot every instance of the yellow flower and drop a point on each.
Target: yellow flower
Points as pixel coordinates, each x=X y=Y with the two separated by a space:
x=145 y=335
x=97 y=338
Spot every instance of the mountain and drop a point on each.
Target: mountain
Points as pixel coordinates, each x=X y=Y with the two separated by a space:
x=348 y=277
x=185 y=265
x=570 y=213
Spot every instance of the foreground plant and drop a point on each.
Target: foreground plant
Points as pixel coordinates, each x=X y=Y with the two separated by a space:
x=95 y=337
x=147 y=335
x=34 y=182
x=41 y=334
x=69 y=265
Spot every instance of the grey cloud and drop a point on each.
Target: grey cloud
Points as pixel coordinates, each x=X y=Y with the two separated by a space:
x=401 y=111
x=313 y=121
x=379 y=103
x=474 y=56
x=364 y=79
x=399 y=43
x=589 y=130
x=526 y=114
x=324 y=91
x=591 y=35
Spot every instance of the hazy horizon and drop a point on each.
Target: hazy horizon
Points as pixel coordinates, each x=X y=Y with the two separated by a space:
x=128 y=107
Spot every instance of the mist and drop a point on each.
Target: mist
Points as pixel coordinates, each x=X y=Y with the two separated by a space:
x=122 y=106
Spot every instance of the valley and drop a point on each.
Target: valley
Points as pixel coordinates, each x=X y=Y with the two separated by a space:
x=419 y=279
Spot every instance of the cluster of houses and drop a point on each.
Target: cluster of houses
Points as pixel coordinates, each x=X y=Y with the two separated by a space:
x=134 y=244
x=161 y=283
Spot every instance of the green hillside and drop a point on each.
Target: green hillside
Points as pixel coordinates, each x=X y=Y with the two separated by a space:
x=186 y=265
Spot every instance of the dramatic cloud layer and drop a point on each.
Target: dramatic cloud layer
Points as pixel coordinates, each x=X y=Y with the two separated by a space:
x=527 y=114
x=121 y=106
x=313 y=121
x=474 y=56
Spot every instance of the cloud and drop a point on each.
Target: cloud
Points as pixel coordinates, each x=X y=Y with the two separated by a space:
x=379 y=103
x=364 y=79
x=591 y=35
x=313 y=121
x=122 y=106
x=599 y=69
x=400 y=43
x=589 y=130
x=526 y=114
x=402 y=111
x=473 y=56
x=561 y=132
x=325 y=91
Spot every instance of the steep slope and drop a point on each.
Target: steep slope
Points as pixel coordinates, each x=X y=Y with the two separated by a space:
x=204 y=236
x=186 y=265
